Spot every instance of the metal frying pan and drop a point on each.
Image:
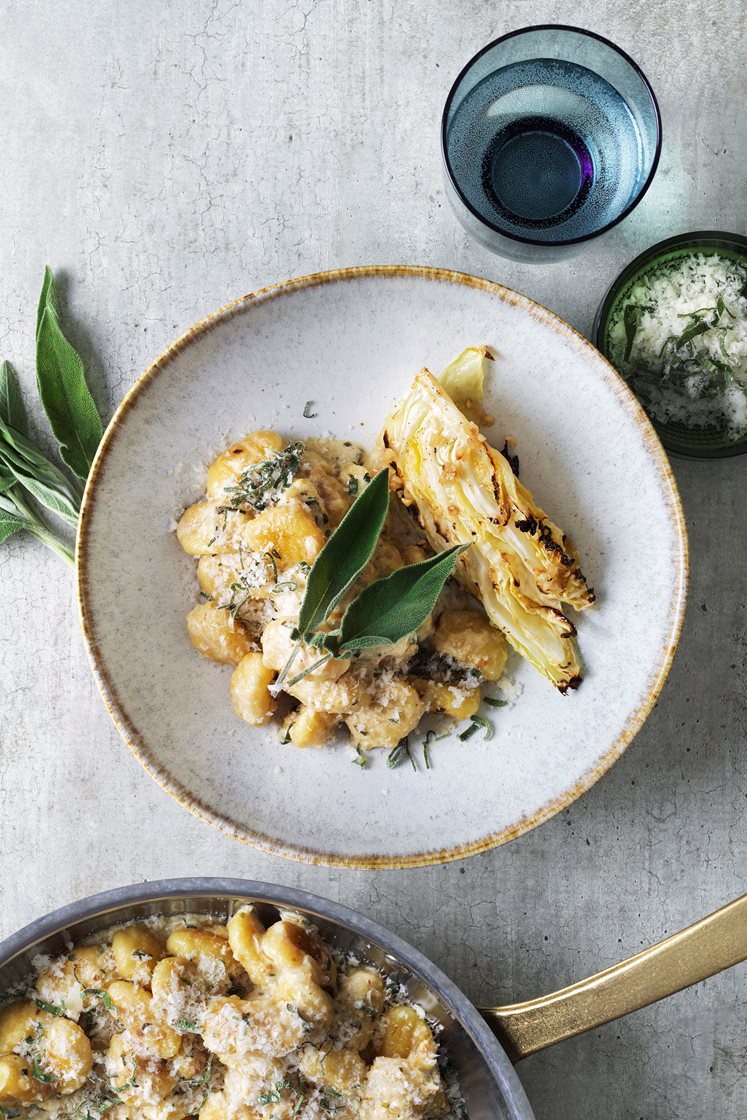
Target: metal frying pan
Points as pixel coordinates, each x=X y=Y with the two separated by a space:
x=481 y=1044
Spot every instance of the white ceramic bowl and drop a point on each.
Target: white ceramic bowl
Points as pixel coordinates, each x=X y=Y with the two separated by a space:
x=350 y=341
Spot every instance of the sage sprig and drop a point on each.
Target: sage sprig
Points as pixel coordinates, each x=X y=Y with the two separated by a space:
x=396 y=605
x=26 y=472
x=382 y=613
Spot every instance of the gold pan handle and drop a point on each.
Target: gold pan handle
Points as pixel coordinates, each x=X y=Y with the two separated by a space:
x=703 y=949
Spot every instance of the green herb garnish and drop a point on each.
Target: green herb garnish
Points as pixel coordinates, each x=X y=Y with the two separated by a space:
x=186 y=1026
x=308 y=412
x=99 y=993
x=477 y=723
x=393 y=607
x=384 y=612
x=260 y=484
x=494 y=702
x=51 y=1008
x=38 y=1074
x=361 y=758
x=692 y=330
x=399 y=754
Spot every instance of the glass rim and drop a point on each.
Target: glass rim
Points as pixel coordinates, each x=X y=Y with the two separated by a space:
x=690 y=241
x=568 y=240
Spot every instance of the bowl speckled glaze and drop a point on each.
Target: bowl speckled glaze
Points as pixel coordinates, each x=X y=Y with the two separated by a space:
x=351 y=341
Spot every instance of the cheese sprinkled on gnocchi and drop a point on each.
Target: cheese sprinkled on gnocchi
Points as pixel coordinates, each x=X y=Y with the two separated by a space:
x=168 y=1021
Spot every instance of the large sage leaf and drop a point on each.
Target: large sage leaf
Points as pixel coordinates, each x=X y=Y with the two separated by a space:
x=345 y=554
x=62 y=387
x=20 y=458
x=395 y=606
x=11 y=405
x=11 y=521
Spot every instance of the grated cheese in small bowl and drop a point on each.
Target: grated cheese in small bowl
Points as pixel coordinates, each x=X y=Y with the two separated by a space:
x=674 y=325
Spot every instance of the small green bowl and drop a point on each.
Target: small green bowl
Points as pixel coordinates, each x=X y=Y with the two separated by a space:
x=705 y=443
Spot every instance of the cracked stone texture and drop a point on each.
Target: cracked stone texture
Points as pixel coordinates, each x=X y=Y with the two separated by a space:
x=168 y=157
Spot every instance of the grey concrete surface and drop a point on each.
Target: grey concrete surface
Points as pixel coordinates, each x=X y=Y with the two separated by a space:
x=169 y=156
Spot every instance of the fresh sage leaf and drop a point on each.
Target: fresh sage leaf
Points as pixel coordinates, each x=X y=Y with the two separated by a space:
x=345 y=554
x=47 y=295
x=62 y=387
x=10 y=524
x=393 y=607
x=50 y=498
x=43 y=480
x=11 y=405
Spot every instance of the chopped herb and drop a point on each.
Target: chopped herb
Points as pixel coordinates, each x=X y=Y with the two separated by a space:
x=329 y=1099
x=692 y=330
x=427 y=753
x=186 y=1026
x=50 y=1008
x=246 y=1018
x=96 y=1108
x=130 y=1082
x=361 y=758
x=494 y=702
x=399 y=754
x=259 y=485
x=99 y=993
x=141 y=953
x=477 y=723
x=287 y=585
x=38 y=1074
x=271 y=556
x=308 y=414
x=352 y=485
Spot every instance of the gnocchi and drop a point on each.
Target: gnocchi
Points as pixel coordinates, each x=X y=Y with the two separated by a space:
x=203 y=1022
x=268 y=510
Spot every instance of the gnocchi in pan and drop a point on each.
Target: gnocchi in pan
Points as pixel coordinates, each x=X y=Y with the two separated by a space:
x=174 y=1019
x=270 y=506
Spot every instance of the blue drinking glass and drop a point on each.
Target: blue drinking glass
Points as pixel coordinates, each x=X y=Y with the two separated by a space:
x=550 y=136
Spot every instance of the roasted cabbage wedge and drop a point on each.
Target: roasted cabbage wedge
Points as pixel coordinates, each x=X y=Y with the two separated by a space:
x=520 y=565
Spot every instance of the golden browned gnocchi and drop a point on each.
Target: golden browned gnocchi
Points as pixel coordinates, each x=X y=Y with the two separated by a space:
x=270 y=506
x=207 y=1022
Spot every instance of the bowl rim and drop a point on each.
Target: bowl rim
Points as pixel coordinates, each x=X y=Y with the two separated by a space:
x=705 y=238
x=106 y=904
x=538 y=243
x=371 y=861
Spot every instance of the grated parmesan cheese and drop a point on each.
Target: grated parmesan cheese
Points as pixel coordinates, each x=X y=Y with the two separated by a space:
x=678 y=334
